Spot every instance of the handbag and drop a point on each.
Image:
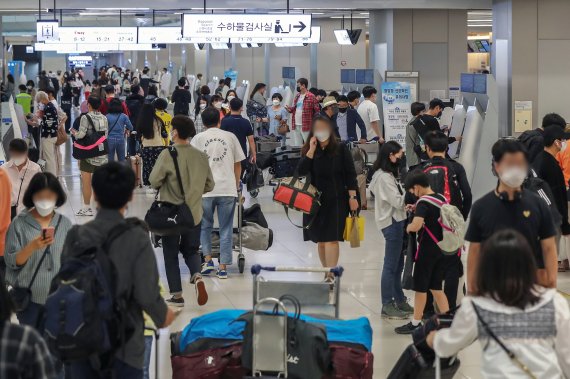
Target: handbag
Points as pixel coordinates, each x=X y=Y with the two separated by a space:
x=62 y=136
x=164 y=218
x=283 y=128
x=93 y=145
x=354 y=230
x=21 y=296
x=307 y=345
x=302 y=197
x=410 y=253
x=254 y=178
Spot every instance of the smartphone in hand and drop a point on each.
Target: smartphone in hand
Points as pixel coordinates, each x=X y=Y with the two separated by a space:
x=48 y=232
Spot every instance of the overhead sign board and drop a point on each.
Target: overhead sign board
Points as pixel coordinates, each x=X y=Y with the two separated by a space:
x=315 y=37
x=246 y=25
x=163 y=34
x=47 y=31
x=97 y=35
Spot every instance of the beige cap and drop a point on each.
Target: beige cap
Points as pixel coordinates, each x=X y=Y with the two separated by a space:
x=329 y=100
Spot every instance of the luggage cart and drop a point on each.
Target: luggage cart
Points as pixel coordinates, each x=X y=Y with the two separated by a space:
x=238 y=247
x=316 y=297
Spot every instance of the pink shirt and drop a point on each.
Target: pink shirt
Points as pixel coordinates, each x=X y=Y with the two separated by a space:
x=20 y=180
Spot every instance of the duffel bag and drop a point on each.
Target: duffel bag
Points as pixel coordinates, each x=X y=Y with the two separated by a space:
x=164 y=218
x=302 y=197
x=93 y=145
x=284 y=168
x=217 y=363
x=254 y=177
x=350 y=362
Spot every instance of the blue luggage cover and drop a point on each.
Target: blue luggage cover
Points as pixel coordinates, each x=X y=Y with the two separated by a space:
x=222 y=325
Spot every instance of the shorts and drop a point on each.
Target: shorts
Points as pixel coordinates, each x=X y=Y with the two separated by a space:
x=85 y=166
x=429 y=270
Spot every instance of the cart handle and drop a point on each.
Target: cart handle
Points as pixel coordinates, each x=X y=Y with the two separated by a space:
x=337 y=271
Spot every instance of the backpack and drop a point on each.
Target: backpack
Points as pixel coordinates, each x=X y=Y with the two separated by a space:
x=529 y=139
x=360 y=159
x=84 y=318
x=535 y=184
x=443 y=180
x=452 y=224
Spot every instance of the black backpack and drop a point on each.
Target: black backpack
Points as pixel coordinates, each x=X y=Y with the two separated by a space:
x=84 y=318
x=443 y=180
x=533 y=141
x=535 y=184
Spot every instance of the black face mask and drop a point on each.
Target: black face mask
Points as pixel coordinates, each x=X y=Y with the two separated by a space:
x=342 y=110
x=298 y=89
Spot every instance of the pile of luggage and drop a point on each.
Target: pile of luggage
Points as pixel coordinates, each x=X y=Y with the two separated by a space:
x=222 y=344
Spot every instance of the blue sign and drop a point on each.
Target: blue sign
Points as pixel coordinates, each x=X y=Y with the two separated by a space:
x=396 y=101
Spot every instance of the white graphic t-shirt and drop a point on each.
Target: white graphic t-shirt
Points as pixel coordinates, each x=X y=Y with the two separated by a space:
x=299 y=110
x=223 y=150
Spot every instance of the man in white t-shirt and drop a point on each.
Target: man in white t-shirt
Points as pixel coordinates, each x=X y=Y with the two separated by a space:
x=368 y=111
x=224 y=155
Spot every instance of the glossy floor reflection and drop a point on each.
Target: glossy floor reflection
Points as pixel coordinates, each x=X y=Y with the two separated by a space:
x=360 y=294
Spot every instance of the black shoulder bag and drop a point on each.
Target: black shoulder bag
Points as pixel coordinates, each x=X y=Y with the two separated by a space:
x=14 y=208
x=164 y=218
x=507 y=351
x=21 y=296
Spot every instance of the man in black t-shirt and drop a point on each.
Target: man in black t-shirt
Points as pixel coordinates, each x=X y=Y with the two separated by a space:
x=533 y=140
x=510 y=206
x=429 y=268
x=242 y=129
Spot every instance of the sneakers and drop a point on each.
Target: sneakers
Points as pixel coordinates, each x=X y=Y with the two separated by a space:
x=175 y=302
x=88 y=212
x=207 y=267
x=390 y=311
x=408 y=328
x=201 y=294
x=222 y=274
x=405 y=307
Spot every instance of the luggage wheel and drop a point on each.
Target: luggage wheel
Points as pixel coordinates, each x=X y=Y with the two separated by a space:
x=254 y=193
x=241 y=263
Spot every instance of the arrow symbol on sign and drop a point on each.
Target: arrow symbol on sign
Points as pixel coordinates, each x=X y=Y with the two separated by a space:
x=301 y=26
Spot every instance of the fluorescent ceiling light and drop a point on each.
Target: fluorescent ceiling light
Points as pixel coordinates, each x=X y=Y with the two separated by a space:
x=288 y=44
x=483 y=36
x=366 y=13
x=482 y=20
x=117 y=9
x=98 y=14
x=317 y=13
x=22 y=10
x=479 y=26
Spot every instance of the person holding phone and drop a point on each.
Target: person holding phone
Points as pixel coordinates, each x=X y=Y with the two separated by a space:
x=34 y=242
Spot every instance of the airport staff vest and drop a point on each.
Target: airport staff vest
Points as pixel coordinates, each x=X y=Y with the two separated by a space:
x=25 y=100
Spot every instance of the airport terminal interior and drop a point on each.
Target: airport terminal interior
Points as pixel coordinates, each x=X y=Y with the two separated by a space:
x=367 y=101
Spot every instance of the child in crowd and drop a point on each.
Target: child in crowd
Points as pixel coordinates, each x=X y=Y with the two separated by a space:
x=429 y=268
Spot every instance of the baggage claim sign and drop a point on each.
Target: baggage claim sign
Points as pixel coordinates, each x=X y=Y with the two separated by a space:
x=268 y=28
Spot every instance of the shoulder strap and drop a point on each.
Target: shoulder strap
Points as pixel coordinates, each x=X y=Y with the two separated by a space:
x=90 y=120
x=22 y=183
x=43 y=256
x=174 y=155
x=113 y=127
x=432 y=200
x=509 y=352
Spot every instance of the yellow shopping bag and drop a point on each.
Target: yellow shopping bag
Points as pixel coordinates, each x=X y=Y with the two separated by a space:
x=354 y=230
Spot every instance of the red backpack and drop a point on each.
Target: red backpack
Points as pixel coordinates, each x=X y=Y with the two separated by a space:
x=443 y=180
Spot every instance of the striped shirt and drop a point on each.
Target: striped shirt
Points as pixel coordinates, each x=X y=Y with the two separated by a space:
x=24 y=354
x=22 y=231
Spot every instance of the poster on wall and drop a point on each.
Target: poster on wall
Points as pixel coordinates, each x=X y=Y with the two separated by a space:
x=233 y=75
x=523 y=116
x=396 y=101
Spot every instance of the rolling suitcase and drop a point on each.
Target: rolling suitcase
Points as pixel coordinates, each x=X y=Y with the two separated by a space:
x=136 y=165
x=285 y=161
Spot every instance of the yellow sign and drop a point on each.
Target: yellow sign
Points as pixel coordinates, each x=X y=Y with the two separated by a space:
x=523 y=116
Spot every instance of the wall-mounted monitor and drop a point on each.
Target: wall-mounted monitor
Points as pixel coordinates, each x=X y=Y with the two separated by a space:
x=480 y=83
x=467 y=83
x=22 y=53
x=288 y=73
x=486 y=45
x=347 y=75
x=364 y=76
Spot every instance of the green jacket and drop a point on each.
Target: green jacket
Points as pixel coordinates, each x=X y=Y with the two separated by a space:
x=196 y=177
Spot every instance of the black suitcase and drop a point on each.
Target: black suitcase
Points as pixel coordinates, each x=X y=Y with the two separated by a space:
x=287 y=152
x=414 y=365
x=285 y=168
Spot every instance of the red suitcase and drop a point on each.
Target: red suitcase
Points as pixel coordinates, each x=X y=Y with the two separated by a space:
x=350 y=362
x=217 y=363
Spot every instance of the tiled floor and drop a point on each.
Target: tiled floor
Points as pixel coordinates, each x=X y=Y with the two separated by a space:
x=360 y=295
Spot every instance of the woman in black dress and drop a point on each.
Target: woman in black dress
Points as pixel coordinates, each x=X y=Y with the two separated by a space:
x=332 y=172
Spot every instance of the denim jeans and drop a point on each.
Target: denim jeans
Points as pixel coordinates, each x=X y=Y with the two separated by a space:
x=83 y=370
x=147 y=354
x=391 y=281
x=225 y=207
x=188 y=245
x=116 y=145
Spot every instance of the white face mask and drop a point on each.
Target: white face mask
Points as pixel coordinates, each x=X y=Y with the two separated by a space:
x=41 y=106
x=230 y=98
x=20 y=160
x=513 y=176
x=44 y=207
x=276 y=102
x=218 y=105
x=203 y=105
x=322 y=135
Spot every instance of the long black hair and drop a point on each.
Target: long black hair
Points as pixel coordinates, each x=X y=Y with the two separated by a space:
x=383 y=161
x=333 y=145
x=507 y=270
x=257 y=87
x=145 y=121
